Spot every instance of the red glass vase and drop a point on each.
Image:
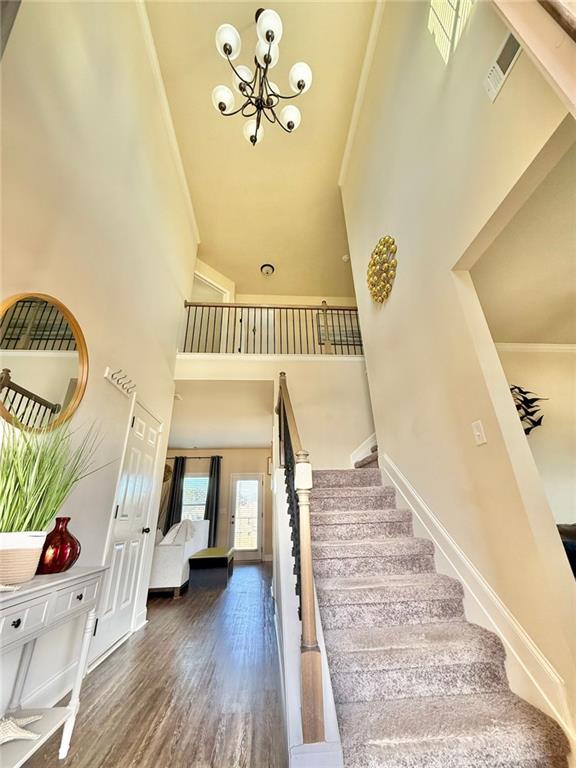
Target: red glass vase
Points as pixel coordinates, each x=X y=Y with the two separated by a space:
x=61 y=549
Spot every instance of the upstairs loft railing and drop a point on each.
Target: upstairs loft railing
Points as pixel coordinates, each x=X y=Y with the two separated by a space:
x=272 y=330
x=298 y=477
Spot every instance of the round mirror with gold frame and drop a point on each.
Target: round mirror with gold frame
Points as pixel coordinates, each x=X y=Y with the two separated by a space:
x=43 y=361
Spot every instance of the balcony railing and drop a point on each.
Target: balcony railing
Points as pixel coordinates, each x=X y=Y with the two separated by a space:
x=266 y=330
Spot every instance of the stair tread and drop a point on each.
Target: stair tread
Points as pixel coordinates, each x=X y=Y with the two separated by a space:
x=351 y=490
x=378 y=588
x=355 y=478
x=447 y=732
x=400 y=546
x=343 y=517
x=412 y=645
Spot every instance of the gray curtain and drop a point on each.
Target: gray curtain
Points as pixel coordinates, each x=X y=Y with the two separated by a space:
x=174 y=512
x=212 y=499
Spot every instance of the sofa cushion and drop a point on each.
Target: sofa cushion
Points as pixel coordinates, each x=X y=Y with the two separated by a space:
x=180 y=533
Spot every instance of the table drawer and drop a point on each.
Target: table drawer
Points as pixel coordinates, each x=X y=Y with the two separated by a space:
x=68 y=600
x=23 y=619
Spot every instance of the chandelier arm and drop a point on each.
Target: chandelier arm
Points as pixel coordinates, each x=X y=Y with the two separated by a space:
x=279 y=122
x=249 y=114
x=272 y=119
x=237 y=111
x=250 y=83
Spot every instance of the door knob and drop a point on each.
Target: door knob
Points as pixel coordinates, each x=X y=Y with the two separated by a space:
x=145 y=530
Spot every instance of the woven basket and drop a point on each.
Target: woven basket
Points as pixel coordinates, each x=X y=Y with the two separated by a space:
x=19 y=556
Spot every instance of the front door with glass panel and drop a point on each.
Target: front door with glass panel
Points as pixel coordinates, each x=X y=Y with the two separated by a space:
x=246 y=516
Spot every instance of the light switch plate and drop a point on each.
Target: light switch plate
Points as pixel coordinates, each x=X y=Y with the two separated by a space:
x=478 y=432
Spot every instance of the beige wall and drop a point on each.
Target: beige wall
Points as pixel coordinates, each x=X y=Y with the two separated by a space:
x=268 y=299
x=329 y=396
x=234 y=461
x=520 y=306
x=550 y=372
x=431 y=161
x=94 y=213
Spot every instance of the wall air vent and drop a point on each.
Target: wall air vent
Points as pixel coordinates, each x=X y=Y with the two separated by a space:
x=503 y=63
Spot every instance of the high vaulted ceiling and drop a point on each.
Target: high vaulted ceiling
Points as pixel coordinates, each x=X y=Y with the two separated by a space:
x=278 y=202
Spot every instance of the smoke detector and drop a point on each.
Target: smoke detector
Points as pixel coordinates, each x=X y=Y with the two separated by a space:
x=267 y=269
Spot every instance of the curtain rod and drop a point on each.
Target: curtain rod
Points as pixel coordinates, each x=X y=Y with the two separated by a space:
x=171 y=458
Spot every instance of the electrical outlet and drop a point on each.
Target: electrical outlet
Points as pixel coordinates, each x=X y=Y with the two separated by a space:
x=478 y=432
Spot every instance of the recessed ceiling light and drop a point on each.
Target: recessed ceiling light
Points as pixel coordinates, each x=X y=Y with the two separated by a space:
x=267 y=269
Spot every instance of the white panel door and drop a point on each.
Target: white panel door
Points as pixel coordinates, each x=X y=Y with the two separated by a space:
x=246 y=516
x=130 y=527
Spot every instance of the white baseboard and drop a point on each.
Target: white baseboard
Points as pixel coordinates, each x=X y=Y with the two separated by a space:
x=96 y=662
x=140 y=620
x=530 y=674
x=363 y=449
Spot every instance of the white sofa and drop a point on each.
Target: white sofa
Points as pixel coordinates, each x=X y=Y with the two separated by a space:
x=170 y=568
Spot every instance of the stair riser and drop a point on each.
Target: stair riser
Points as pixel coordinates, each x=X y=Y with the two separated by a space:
x=370 y=462
x=391 y=614
x=374 y=685
x=363 y=566
x=349 y=478
x=340 y=517
x=359 y=502
x=361 y=531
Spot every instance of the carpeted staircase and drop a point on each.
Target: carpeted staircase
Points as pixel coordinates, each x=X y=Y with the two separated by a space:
x=416 y=685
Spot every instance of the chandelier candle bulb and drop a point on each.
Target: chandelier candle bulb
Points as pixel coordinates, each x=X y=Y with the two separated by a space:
x=291 y=117
x=242 y=78
x=300 y=77
x=269 y=26
x=223 y=99
x=250 y=132
x=267 y=55
x=228 y=42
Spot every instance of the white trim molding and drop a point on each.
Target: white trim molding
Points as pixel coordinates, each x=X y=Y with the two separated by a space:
x=530 y=673
x=361 y=90
x=166 y=114
x=363 y=449
x=505 y=346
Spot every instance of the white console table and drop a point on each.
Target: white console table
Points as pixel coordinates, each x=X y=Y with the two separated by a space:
x=27 y=613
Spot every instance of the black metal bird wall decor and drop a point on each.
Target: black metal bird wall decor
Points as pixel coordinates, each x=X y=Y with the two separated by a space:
x=526 y=403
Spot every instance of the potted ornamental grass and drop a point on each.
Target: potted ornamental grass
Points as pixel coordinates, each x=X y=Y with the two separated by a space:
x=38 y=470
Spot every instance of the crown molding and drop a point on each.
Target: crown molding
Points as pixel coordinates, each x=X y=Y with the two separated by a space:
x=519 y=347
x=166 y=113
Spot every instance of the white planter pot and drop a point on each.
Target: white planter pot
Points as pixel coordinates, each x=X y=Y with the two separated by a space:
x=19 y=555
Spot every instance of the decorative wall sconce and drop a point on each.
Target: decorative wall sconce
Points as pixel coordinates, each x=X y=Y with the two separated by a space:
x=382 y=269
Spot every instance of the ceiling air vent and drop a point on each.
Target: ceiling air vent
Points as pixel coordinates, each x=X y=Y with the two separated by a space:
x=503 y=63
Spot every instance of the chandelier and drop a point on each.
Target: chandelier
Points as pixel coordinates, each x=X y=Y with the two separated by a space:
x=261 y=98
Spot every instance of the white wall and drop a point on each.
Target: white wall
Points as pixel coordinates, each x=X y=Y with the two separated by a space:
x=329 y=396
x=431 y=161
x=44 y=373
x=94 y=213
x=550 y=371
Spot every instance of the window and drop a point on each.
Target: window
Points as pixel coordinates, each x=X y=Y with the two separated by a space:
x=194 y=497
x=246 y=513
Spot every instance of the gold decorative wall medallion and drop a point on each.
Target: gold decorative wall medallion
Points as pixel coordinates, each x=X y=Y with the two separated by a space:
x=382 y=269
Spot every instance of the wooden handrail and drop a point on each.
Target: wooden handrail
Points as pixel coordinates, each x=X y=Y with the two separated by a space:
x=230 y=305
x=312 y=695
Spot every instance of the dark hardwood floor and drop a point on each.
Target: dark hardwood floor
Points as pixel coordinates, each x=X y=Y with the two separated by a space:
x=198 y=687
